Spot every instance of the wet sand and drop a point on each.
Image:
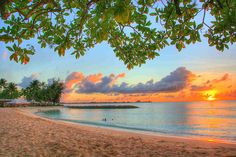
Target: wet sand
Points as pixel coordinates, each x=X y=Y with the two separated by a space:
x=24 y=134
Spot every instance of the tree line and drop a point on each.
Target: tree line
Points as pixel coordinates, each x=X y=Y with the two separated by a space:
x=36 y=92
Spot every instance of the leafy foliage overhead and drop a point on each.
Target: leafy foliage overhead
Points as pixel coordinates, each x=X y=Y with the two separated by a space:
x=136 y=30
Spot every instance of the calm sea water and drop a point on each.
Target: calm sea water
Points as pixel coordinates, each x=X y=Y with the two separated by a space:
x=216 y=119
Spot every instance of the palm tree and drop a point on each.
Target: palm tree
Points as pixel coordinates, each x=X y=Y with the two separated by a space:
x=11 y=91
x=54 y=91
x=3 y=84
x=12 y=86
x=43 y=93
x=32 y=90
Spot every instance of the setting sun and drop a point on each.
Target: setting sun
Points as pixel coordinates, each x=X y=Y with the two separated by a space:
x=210 y=95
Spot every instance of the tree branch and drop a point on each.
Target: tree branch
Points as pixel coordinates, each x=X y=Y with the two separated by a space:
x=178 y=11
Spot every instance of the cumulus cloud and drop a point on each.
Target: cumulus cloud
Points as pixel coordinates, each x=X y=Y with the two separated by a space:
x=201 y=87
x=103 y=85
x=27 y=80
x=225 y=77
x=209 y=84
x=175 y=81
x=73 y=79
x=51 y=80
x=95 y=78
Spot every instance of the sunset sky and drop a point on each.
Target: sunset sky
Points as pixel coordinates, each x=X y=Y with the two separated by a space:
x=199 y=72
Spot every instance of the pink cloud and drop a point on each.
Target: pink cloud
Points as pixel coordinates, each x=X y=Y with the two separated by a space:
x=77 y=80
x=95 y=77
x=73 y=78
x=4 y=55
x=122 y=75
x=97 y=83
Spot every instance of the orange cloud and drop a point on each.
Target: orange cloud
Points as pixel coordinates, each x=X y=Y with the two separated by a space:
x=225 y=77
x=228 y=95
x=179 y=85
x=120 y=75
x=73 y=79
x=77 y=80
x=210 y=84
x=97 y=87
x=95 y=77
x=115 y=78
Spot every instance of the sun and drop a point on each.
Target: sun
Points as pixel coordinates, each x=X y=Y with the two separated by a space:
x=211 y=98
x=210 y=95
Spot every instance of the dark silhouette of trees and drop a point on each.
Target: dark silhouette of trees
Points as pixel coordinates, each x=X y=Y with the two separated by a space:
x=54 y=91
x=42 y=93
x=8 y=90
x=36 y=92
x=3 y=84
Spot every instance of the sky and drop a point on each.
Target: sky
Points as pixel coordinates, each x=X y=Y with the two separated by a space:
x=197 y=73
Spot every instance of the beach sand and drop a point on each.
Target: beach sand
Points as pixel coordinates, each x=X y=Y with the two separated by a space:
x=24 y=134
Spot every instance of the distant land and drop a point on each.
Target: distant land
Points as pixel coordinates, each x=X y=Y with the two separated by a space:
x=105 y=102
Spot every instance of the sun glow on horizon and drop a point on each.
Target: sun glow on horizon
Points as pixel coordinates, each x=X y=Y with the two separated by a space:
x=211 y=98
x=207 y=88
x=210 y=95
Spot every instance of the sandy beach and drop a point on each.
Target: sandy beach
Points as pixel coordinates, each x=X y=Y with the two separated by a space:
x=24 y=134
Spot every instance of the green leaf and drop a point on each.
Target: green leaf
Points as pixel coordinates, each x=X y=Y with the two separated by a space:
x=200 y=26
x=153 y=14
x=66 y=14
x=9 y=48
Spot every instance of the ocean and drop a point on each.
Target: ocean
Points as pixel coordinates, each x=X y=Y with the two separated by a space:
x=210 y=119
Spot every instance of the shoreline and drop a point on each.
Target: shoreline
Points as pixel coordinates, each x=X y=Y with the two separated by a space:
x=123 y=130
x=143 y=132
x=54 y=137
